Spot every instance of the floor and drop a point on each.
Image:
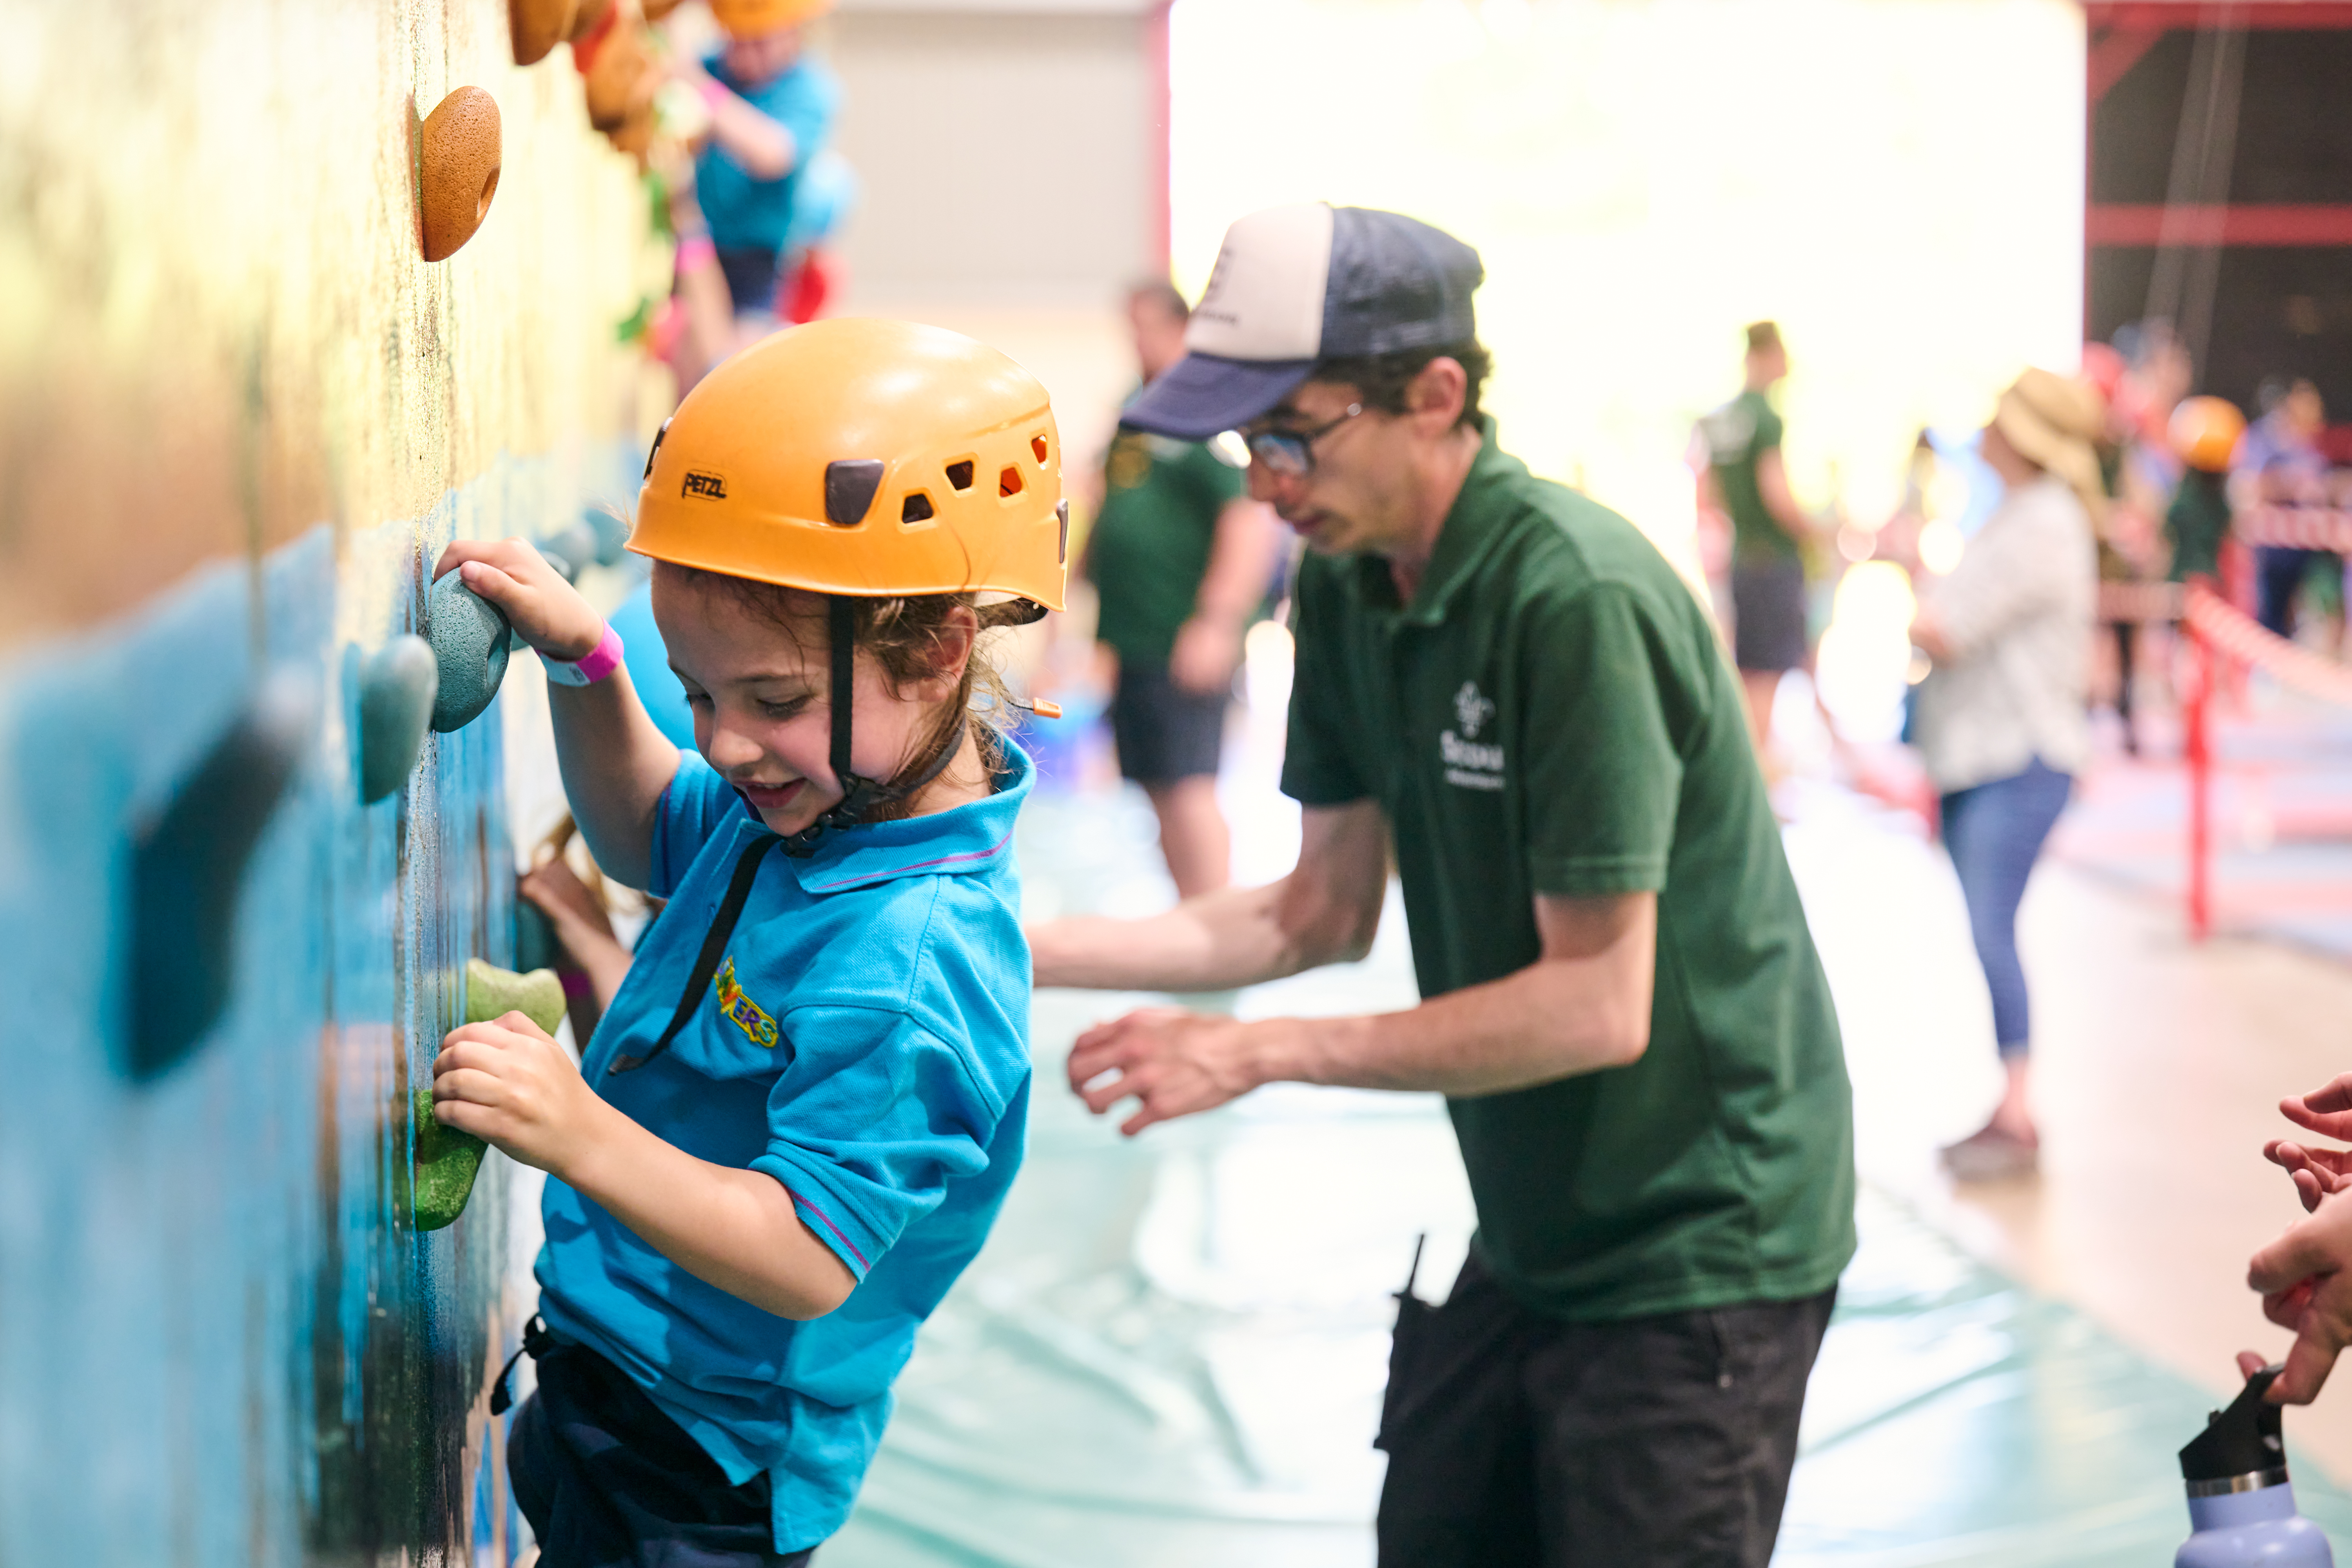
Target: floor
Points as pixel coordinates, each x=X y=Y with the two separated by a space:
x=1173 y=1349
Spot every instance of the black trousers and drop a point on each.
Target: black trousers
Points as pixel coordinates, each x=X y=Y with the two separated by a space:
x=609 y=1481
x=1519 y=1441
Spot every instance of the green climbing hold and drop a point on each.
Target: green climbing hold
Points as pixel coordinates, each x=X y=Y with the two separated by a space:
x=448 y=1159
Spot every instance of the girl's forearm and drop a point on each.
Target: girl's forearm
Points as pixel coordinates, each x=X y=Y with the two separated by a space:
x=733 y=1228
x=616 y=763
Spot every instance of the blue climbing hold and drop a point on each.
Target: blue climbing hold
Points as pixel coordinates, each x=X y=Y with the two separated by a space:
x=397 y=685
x=187 y=867
x=468 y=635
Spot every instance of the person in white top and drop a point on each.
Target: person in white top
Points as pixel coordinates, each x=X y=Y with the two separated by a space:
x=2001 y=717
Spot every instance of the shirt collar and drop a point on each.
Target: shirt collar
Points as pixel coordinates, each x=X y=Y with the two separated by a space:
x=975 y=837
x=1471 y=527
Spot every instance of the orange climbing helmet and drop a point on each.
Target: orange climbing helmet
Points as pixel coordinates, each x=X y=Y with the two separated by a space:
x=2205 y=432
x=755 y=18
x=864 y=458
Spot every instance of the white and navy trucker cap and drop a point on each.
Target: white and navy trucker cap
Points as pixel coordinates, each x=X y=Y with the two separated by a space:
x=1296 y=284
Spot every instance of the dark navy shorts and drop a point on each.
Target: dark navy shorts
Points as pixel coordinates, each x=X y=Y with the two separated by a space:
x=1768 y=615
x=1164 y=732
x=751 y=273
x=609 y=1481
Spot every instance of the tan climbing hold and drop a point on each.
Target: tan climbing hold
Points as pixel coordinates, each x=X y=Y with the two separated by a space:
x=538 y=25
x=459 y=153
x=621 y=76
x=657 y=9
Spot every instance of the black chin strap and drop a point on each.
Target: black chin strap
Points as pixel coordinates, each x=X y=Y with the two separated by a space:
x=860 y=797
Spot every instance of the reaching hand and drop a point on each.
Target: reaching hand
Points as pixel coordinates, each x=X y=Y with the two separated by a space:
x=2317 y=1173
x=546 y=610
x=2327 y=1111
x=2306 y=1287
x=509 y=1083
x=1174 y=1062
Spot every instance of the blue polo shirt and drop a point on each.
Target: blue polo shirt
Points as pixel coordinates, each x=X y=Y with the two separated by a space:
x=743 y=209
x=865 y=1042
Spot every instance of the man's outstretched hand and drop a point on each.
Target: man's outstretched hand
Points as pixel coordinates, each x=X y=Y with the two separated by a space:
x=2306 y=1285
x=1174 y=1062
x=2327 y=1111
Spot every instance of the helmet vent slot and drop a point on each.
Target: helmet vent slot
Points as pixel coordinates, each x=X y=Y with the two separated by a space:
x=917 y=509
x=1008 y=483
x=959 y=474
x=1037 y=444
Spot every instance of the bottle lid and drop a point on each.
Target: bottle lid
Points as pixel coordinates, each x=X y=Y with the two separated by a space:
x=2241 y=1448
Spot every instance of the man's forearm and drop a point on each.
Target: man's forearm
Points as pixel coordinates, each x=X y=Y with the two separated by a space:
x=1556 y=1018
x=1215 y=942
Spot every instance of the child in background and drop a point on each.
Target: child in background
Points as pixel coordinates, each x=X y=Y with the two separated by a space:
x=771 y=112
x=798 y=1120
x=2204 y=432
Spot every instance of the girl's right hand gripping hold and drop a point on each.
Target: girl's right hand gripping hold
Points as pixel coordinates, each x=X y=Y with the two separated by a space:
x=546 y=611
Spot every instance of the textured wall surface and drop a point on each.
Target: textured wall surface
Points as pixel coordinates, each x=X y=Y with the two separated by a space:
x=238 y=416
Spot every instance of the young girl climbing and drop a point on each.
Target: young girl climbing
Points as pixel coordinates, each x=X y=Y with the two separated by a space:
x=795 y=1125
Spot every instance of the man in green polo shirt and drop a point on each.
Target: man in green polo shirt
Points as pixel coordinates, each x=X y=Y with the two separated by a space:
x=1622 y=1001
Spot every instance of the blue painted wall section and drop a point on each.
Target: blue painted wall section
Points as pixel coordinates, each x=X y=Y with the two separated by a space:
x=225 y=1342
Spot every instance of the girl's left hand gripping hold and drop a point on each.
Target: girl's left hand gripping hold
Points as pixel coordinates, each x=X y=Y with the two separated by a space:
x=508 y=1083
x=546 y=610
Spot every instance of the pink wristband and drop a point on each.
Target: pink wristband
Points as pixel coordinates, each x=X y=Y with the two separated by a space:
x=594 y=666
x=695 y=252
x=714 y=91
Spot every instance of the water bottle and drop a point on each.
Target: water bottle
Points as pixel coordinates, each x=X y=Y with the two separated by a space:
x=2241 y=1504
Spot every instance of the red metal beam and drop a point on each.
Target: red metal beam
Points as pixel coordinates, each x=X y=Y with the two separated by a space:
x=2273 y=15
x=2116 y=224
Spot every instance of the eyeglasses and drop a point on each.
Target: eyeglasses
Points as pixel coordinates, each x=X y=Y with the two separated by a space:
x=1290 y=454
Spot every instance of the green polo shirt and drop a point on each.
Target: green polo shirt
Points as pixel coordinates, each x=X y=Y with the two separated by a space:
x=1553 y=715
x=1738 y=435
x=1152 y=538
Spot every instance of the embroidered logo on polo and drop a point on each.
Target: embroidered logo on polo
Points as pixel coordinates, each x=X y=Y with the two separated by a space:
x=747 y=1014
x=1468 y=763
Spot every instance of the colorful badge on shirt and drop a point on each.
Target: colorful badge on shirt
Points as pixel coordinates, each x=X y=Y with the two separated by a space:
x=749 y=1016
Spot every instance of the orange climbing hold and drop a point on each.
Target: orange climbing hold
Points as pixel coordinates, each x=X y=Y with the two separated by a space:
x=459 y=159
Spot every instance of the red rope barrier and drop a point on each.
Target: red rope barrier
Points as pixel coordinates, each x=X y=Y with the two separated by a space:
x=2296 y=527
x=2217 y=632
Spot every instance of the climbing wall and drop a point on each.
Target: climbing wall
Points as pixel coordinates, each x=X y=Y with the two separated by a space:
x=239 y=415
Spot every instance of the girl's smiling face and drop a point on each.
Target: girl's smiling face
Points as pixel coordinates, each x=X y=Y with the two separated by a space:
x=760 y=693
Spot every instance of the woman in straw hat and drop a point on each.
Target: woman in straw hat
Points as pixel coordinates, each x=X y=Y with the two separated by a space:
x=2001 y=717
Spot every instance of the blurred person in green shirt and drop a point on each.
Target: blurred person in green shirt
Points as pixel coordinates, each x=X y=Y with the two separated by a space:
x=1747 y=481
x=1181 y=559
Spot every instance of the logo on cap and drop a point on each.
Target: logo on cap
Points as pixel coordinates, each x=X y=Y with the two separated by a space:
x=703 y=483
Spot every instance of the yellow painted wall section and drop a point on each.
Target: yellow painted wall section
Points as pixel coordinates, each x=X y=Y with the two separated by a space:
x=217 y=326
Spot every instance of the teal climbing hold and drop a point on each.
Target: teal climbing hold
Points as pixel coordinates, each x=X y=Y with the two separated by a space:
x=448 y=1159
x=468 y=635
x=612 y=533
x=397 y=685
